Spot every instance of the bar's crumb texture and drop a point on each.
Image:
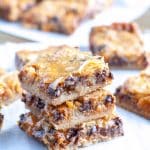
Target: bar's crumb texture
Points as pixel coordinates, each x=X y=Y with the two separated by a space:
x=121 y=45
x=13 y=9
x=64 y=74
x=80 y=136
x=134 y=94
x=92 y=106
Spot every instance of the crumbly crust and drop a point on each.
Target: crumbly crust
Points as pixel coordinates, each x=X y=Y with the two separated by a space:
x=97 y=104
x=134 y=94
x=65 y=74
x=12 y=9
x=120 y=44
x=10 y=88
x=79 y=136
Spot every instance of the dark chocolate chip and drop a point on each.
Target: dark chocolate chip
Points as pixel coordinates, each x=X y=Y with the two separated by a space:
x=51 y=131
x=92 y=131
x=99 y=48
x=118 y=61
x=117 y=121
x=103 y=132
x=54 y=19
x=70 y=83
x=40 y=104
x=101 y=76
x=110 y=75
x=1 y=117
x=57 y=116
x=72 y=133
x=118 y=90
x=108 y=100
x=54 y=92
x=39 y=133
x=86 y=106
x=22 y=118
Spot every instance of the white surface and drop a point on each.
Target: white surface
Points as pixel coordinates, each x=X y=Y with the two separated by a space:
x=122 y=10
x=137 y=129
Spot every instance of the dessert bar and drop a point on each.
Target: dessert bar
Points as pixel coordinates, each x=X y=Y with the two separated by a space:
x=121 y=45
x=64 y=74
x=79 y=136
x=134 y=94
x=92 y=106
x=62 y=16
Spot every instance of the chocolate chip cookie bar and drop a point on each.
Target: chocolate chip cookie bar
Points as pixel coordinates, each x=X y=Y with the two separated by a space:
x=70 y=139
x=134 y=94
x=121 y=45
x=61 y=16
x=10 y=88
x=92 y=106
x=64 y=74
x=13 y=9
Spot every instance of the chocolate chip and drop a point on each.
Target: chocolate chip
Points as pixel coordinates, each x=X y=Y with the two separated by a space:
x=101 y=76
x=118 y=90
x=110 y=75
x=86 y=106
x=40 y=104
x=117 y=121
x=108 y=99
x=51 y=131
x=103 y=132
x=72 y=133
x=54 y=92
x=73 y=10
x=92 y=130
x=99 y=48
x=1 y=117
x=54 y=19
x=70 y=82
x=57 y=116
x=39 y=133
x=22 y=118
x=118 y=61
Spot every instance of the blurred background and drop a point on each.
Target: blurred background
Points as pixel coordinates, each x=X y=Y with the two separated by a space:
x=121 y=10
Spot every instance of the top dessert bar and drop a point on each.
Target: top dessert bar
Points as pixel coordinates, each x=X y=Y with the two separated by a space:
x=61 y=16
x=13 y=9
x=134 y=94
x=64 y=74
x=10 y=88
x=120 y=44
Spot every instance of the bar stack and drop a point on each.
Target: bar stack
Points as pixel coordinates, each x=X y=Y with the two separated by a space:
x=65 y=93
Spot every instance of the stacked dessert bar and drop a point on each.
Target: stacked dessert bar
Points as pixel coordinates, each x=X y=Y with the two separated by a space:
x=69 y=107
